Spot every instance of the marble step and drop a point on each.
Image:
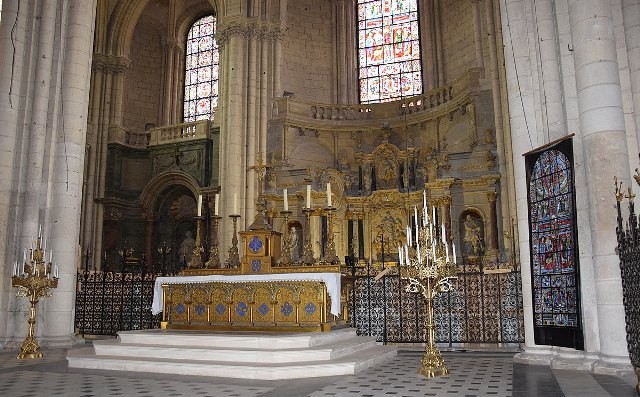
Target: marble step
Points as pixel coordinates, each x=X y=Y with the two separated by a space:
x=346 y=365
x=235 y=339
x=265 y=354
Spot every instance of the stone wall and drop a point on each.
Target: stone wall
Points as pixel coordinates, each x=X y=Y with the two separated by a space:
x=457 y=36
x=142 y=98
x=307 y=50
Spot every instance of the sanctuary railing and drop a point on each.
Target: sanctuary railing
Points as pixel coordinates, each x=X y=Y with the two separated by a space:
x=628 y=249
x=484 y=308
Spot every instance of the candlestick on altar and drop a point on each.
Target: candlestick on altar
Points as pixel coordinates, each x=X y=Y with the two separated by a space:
x=330 y=250
x=234 y=258
x=198 y=249
x=214 y=252
x=307 y=251
x=34 y=282
x=285 y=258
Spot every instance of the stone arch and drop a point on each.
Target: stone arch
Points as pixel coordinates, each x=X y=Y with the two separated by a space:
x=158 y=184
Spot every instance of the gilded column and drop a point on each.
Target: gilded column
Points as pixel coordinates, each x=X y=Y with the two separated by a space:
x=148 y=241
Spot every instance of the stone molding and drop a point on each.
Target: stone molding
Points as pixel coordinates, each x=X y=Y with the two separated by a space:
x=110 y=63
x=249 y=28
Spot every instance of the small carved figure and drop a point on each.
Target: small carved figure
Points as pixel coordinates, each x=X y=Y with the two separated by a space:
x=186 y=247
x=472 y=237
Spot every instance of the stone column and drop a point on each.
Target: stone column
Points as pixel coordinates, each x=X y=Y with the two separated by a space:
x=148 y=242
x=66 y=176
x=552 y=94
x=605 y=155
x=493 y=217
x=503 y=168
x=631 y=17
x=477 y=33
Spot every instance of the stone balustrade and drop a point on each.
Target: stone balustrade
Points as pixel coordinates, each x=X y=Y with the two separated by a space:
x=439 y=100
x=119 y=134
x=180 y=132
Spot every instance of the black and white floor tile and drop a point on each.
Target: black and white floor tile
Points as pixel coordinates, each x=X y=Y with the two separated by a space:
x=476 y=374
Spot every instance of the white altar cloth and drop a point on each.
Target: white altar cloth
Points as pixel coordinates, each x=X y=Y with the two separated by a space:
x=331 y=280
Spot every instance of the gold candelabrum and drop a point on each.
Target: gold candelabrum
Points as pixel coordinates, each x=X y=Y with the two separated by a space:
x=214 y=252
x=234 y=258
x=330 y=249
x=34 y=280
x=285 y=258
x=307 y=250
x=425 y=265
x=198 y=249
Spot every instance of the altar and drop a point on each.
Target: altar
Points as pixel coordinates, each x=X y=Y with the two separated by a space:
x=308 y=301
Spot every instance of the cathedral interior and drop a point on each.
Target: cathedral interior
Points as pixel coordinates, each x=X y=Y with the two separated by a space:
x=135 y=131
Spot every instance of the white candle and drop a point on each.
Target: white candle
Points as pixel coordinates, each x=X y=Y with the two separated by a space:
x=328 y=195
x=24 y=257
x=453 y=249
x=235 y=203
x=446 y=249
x=415 y=215
x=400 y=252
x=56 y=271
x=406 y=254
x=39 y=231
x=308 y=196
x=50 y=256
x=286 y=199
x=199 y=205
x=433 y=214
x=217 y=208
x=444 y=237
x=409 y=240
x=424 y=200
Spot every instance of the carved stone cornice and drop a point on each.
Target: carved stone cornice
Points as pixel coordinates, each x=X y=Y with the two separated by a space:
x=110 y=63
x=249 y=28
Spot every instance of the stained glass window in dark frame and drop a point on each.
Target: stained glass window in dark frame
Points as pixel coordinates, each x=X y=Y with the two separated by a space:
x=389 y=60
x=553 y=245
x=202 y=62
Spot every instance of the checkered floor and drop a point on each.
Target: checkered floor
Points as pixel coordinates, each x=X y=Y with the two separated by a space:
x=472 y=374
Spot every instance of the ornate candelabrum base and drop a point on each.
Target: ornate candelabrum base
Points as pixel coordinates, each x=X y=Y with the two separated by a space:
x=198 y=249
x=432 y=362
x=34 y=285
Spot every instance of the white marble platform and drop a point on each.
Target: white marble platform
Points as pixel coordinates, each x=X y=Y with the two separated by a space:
x=246 y=355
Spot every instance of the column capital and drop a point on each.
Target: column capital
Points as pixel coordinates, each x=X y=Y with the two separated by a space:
x=110 y=63
x=249 y=28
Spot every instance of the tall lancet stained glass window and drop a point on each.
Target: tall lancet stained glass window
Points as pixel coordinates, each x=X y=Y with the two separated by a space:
x=201 y=70
x=553 y=239
x=388 y=50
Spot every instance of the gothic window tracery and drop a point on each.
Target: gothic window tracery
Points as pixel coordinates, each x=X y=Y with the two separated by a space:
x=201 y=70
x=388 y=50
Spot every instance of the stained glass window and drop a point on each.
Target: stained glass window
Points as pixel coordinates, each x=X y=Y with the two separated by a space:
x=201 y=70
x=554 y=263
x=388 y=50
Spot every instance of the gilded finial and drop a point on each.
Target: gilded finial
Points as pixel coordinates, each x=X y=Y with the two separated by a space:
x=637 y=176
x=619 y=194
x=630 y=194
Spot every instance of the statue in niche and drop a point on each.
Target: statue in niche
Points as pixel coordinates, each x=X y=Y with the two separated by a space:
x=473 y=243
x=295 y=242
x=186 y=247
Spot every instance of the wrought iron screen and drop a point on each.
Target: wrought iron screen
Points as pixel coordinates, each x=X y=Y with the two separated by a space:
x=483 y=308
x=553 y=242
x=109 y=302
x=628 y=250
